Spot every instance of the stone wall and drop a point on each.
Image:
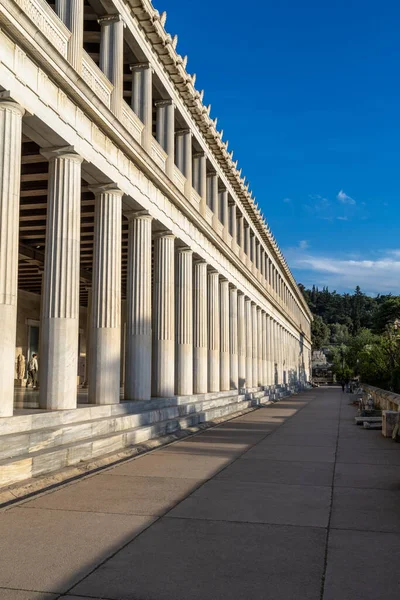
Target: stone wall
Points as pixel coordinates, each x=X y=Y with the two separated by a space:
x=386 y=400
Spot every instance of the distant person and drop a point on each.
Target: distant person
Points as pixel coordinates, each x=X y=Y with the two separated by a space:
x=343 y=384
x=32 y=371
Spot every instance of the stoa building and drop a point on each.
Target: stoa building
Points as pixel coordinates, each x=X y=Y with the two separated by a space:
x=134 y=260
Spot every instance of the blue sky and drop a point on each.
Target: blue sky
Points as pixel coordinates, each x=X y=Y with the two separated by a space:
x=308 y=95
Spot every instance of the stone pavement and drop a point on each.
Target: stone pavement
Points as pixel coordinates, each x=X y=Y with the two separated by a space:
x=288 y=501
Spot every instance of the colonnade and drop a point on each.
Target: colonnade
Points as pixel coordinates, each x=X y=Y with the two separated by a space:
x=191 y=332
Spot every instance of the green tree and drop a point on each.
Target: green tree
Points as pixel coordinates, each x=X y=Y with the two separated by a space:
x=319 y=333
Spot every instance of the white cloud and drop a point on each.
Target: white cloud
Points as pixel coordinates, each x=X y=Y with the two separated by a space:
x=342 y=218
x=303 y=244
x=287 y=200
x=344 y=198
x=379 y=275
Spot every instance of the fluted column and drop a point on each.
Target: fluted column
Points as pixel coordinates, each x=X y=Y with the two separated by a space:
x=10 y=177
x=138 y=342
x=259 y=348
x=87 y=333
x=71 y=14
x=255 y=343
x=212 y=197
x=111 y=56
x=141 y=101
x=273 y=352
x=224 y=196
x=165 y=132
x=264 y=377
x=233 y=338
x=123 y=344
x=233 y=220
x=184 y=157
x=60 y=315
x=269 y=350
x=200 y=179
x=200 y=341
x=249 y=344
x=164 y=316
x=213 y=332
x=105 y=337
x=224 y=328
x=184 y=321
x=241 y=341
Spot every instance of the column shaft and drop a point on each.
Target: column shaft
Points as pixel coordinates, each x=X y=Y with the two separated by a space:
x=142 y=99
x=255 y=344
x=138 y=309
x=164 y=316
x=249 y=345
x=105 y=338
x=264 y=378
x=10 y=178
x=260 y=371
x=184 y=157
x=233 y=338
x=165 y=132
x=224 y=348
x=200 y=342
x=60 y=316
x=184 y=322
x=213 y=332
x=111 y=56
x=241 y=341
x=71 y=14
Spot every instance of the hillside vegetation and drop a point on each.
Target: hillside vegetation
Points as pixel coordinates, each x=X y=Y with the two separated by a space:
x=361 y=334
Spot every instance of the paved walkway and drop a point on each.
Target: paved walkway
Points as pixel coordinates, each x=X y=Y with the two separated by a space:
x=288 y=502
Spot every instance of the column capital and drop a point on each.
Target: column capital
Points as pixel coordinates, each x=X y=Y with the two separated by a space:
x=199 y=261
x=166 y=102
x=138 y=214
x=240 y=293
x=233 y=287
x=61 y=152
x=213 y=271
x=7 y=101
x=142 y=66
x=163 y=234
x=110 y=19
x=185 y=131
x=184 y=249
x=224 y=279
x=102 y=188
x=199 y=154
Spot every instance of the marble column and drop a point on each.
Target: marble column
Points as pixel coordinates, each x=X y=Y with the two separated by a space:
x=105 y=336
x=212 y=196
x=71 y=14
x=246 y=238
x=141 y=101
x=273 y=351
x=200 y=341
x=60 y=316
x=255 y=343
x=249 y=344
x=260 y=368
x=224 y=212
x=200 y=179
x=123 y=344
x=233 y=220
x=213 y=332
x=164 y=315
x=184 y=321
x=225 y=380
x=233 y=338
x=10 y=177
x=241 y=340
x=112 y=57
x=184 y=157
x=87 y=333
x=165 y=132
x=138 y=341
x=264 y=347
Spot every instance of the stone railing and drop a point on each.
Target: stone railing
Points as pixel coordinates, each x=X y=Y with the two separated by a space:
x=48 y=22
x=179 y=179
x=96 y=79
x=158 y=154
x=132 y=122
x=386 y=400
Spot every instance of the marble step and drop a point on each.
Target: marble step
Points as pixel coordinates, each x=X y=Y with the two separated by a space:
x=25 y=420
x=48 y=460
x=17 y=444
